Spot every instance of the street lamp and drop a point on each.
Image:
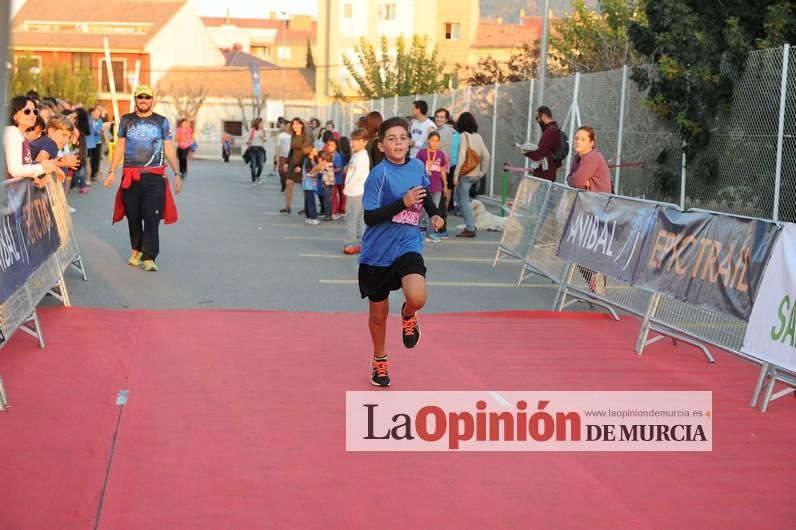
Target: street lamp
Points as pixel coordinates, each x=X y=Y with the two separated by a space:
x=283 y=15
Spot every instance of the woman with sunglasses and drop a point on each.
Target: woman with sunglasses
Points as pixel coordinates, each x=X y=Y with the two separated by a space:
x=22 y=114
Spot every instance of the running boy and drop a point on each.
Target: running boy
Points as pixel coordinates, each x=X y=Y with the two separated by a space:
x=395 y=193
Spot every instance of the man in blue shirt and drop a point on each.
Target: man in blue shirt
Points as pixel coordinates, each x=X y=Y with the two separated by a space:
x=144 y=195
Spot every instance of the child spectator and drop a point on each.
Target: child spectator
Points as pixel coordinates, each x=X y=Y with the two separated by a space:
x=354 y=188
x=226 y=147
x=35 y=132
x=436 y=162
x=310 y=167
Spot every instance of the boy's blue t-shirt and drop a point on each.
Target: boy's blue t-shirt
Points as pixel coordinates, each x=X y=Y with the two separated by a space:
x=44 y=143
x=144 y=139
x=338 y=164
x=385 y=242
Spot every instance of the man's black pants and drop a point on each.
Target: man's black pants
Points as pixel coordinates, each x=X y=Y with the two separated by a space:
x=143 y=205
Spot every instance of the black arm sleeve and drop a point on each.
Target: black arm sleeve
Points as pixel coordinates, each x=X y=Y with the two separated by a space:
x=430 y=207
x=385 y=213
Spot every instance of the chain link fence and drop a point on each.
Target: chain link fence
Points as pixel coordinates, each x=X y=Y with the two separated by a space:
x=735 y=173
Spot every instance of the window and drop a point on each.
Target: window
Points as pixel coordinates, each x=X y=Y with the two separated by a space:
x=118 y=76
x=452 y=30
x=451 y=80
x=283 y=52
x=81 y=61
x=387 y=11
x=263 y=52
x=348 y=11
x=233 y=128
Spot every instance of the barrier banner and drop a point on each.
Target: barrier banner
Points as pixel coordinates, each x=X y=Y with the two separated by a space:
x=771 y=333
x=28 y=235
x=606 y=233
x=706 y=259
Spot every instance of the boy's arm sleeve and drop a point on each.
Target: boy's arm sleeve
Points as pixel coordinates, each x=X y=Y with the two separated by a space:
x=385 y=213
x=429 y=206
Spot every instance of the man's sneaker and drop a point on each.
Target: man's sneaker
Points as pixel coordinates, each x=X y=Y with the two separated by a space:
x=354 y=249
x=336 y=216
x=149 y=265
x=433 y=237
x=379 y=375
x=410 y=329
x=135 y=259
x=314 y=222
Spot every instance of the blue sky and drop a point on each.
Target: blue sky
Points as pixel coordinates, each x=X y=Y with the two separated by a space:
x=239 y=8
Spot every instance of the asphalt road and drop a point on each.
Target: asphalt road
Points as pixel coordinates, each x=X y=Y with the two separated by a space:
x=232 y=249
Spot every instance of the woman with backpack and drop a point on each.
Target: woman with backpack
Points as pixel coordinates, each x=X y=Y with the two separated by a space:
x=551 y=151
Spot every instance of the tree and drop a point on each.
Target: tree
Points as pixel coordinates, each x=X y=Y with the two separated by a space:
x=255 y=104
x=697 y=47
x=59 y=81
x=595 y=41
x=310 y=64
x=186 y=98
x=400 y=72
x=520 y=66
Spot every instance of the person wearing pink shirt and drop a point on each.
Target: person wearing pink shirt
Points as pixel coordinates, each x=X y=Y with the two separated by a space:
x=184 y=138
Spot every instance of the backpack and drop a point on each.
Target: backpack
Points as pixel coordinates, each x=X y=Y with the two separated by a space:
x=563 y=148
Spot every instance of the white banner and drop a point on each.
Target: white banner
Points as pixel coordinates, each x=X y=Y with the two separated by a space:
x=771 y=334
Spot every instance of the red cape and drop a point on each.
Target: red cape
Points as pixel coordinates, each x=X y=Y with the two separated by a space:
x=169 y=211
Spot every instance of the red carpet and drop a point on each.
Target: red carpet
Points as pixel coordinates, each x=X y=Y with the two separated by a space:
x=235 y=420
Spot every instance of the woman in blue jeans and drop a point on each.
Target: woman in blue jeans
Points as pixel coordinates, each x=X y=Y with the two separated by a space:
x=256 y=145
x=465 y=177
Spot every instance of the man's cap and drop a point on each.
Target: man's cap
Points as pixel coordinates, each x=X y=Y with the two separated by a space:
x=143 y=90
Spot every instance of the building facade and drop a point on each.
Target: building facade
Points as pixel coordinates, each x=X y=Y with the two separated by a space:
x=451 y=26
x=281 y=41
x=146 y=38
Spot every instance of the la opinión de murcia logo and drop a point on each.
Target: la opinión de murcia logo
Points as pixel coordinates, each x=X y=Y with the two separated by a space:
x=452 y=422
x=431 y=423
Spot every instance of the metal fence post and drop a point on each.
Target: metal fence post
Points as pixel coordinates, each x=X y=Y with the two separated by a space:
x=3 y=397
x=494 y=138
x=433 y=103
x=574 y=115
x=783 y=93
x=683 y=171
x=530 y=121
x=394 y=107
x=504 y=189
x=382 y=106
x=621 y=130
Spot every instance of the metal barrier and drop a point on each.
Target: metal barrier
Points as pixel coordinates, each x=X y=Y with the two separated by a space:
x=18 y=312
x=537 y=220
x=523 y=221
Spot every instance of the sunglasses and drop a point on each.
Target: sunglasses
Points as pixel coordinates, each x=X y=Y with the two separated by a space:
x=27 y=112
x=143 y=97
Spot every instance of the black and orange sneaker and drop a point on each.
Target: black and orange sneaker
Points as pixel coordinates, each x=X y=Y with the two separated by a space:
x=379 y=376
x=410 y=329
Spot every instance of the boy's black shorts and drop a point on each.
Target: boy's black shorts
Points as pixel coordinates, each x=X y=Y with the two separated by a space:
x=375 y=283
